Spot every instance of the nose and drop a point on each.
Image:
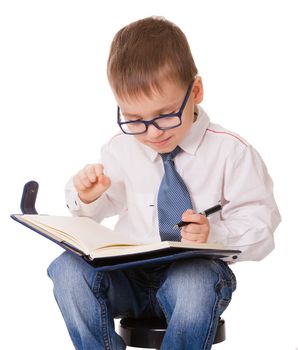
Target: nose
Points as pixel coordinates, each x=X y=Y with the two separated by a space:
x=153 y=131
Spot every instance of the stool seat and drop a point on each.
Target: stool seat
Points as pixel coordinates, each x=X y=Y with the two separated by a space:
x=149 y=333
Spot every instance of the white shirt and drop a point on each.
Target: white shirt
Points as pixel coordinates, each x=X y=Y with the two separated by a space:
x=216 y=165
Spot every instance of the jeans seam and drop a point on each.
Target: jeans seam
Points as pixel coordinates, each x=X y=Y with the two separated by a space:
x=96 y=283
x=151 y=296
x=222 y=282
x=103 y=311
x=105 y=333
x=163 y=309
x=209 y=338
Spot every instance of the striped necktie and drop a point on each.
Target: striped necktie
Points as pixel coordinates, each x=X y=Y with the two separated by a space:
x=173 y=199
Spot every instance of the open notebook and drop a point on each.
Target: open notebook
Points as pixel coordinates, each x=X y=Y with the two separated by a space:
x=98 y=243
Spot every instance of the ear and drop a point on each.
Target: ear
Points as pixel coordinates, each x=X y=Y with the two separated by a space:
x=197 y=90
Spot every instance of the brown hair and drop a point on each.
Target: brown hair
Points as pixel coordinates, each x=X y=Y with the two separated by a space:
x=145 y=52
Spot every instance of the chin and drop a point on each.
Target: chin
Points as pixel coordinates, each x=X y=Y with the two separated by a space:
x=165 y=149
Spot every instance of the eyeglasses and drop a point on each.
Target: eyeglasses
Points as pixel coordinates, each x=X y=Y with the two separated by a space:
x=162 y=122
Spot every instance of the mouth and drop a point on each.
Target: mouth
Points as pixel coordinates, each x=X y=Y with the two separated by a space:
x=160 y=143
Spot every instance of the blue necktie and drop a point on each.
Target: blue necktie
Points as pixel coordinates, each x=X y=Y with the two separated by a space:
x=173 y=199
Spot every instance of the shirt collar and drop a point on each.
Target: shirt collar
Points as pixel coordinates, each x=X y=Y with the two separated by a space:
x=191 y=141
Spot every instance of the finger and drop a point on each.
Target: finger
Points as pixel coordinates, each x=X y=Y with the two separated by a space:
x=79 y=186
x=98 y=169
x=190 y=236
x=195 y=217
x=196 y=227
x=187 y=213
x=183 y=240
x=91 y=173
x=192 y=228
x=83 y=178
x=195 y=238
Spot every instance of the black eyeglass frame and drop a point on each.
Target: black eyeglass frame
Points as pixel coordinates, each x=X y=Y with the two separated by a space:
x=153 y=121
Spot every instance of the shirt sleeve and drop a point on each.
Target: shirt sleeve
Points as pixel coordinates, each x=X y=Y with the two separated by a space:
x=110 y=203
x=249 y=215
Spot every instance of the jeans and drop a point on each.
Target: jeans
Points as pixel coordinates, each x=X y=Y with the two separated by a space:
x=189 y=294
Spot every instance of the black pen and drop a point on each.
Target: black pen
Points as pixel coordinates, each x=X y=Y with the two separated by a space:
x=206 y=212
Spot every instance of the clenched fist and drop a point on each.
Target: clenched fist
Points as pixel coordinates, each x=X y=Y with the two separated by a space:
x=91 y=182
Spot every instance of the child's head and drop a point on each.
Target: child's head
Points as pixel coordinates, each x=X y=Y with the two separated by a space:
x=150 y=68
x=147 y=52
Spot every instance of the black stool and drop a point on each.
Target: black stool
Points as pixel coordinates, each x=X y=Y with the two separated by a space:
x=149 y=333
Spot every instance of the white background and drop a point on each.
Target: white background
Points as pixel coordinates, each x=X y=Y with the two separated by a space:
x=57 y=110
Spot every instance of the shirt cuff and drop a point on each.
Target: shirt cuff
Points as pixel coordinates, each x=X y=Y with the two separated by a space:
x=75 y=204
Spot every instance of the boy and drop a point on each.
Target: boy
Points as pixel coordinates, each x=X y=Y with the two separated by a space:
x=167 y=146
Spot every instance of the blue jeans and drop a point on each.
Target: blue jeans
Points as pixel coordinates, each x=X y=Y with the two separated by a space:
x=190 y=294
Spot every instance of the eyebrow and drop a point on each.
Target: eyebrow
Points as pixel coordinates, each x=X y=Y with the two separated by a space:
x=155 y=113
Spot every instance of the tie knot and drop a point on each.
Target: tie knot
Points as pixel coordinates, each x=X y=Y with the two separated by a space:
x=171 y=155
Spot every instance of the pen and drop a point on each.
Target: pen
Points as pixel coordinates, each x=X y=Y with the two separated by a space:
x=206 y=212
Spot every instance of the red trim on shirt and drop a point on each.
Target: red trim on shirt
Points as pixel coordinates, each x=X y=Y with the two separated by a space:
x=227 y=133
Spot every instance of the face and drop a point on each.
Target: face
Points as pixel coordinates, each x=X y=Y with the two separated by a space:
x=145 y=108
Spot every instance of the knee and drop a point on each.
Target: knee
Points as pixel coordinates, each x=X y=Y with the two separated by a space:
x=194 y=272
x=192 y=280
x=67 y=270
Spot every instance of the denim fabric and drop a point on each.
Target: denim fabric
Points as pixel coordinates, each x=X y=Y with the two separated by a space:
x=190 y=294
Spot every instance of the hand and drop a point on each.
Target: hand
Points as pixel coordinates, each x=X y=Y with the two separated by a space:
x=91 y=182
x=198 y=230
